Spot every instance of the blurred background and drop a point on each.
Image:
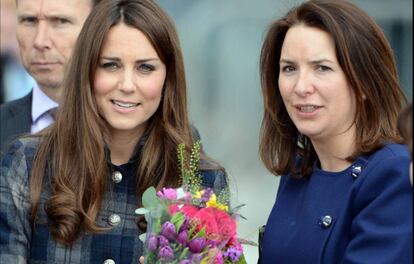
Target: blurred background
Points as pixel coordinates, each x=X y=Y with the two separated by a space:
x=221 y=41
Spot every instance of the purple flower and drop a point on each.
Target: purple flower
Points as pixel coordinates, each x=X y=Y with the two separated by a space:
x=196 y=258
x=152 y=243
x=213 y=243
x=182 y=237
x=233 y=254
x=168 y=230
x=166 y=253
x=163 y=241
x=185 y=261
x=205 y=197
x=197 y=244
x=167 y=193
x=184 y=226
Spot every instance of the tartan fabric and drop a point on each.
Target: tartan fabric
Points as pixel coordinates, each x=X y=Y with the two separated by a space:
x=20 y=242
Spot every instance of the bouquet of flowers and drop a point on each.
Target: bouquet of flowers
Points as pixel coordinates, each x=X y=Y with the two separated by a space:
x=190 y=224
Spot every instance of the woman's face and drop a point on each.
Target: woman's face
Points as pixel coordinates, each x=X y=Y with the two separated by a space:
x=129 y=80
x=313 y=86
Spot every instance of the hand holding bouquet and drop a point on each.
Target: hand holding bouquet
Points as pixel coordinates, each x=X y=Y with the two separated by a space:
x=191 y=224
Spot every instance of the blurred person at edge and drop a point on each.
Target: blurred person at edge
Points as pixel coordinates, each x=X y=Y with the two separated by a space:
x=46 y=33
x=405 y=127
x=332 y=97
x=123 y=113
x=15 y=82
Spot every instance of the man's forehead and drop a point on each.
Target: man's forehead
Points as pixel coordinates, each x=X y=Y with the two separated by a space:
x=47 y=7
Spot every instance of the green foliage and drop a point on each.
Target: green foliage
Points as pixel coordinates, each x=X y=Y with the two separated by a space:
x=191 y=231
x=150 y=258
x=178 y=220
x=183 y=254
x=241 y=260
x=201 y=233
x=156 y=210
x=190 y=177
x=149 y=198
x=224 y=196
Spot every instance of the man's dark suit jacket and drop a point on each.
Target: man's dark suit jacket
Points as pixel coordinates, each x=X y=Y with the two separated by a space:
x=15 y=120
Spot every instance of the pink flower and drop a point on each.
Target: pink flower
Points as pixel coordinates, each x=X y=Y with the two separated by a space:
x=173 y=209
x=207 y=218
x=167 y=193
x=189 y=210
x=227 y=225
x=219 y=258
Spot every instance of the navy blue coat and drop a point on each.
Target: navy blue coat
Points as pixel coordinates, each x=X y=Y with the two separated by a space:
x=345 y=217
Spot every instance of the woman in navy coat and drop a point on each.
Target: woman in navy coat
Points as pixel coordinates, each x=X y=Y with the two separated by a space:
x=332 y=97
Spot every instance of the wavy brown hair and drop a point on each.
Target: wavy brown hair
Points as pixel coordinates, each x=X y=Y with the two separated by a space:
x=72 y=150
x=405 y=125
x=368 y=62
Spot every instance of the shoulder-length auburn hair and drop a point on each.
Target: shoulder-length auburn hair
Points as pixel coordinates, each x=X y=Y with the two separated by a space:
x=367 y=60
x=72 y=149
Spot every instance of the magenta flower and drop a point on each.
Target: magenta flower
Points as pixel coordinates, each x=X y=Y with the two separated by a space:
x=166 y=254
x=152 y=243
x=219 y=259
x=182 y=237
x=168 y=230
x=167 y=193
x=197 y=244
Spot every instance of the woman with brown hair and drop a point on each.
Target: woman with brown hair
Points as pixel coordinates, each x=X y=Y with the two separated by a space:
x=68 y=194
x=332 y=97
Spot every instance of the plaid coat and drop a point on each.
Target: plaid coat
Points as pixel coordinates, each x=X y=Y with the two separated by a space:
x=21 y=242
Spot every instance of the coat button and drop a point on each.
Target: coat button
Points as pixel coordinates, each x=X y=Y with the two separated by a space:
x=109 y=261
x=116 y=176
x=114 y=219
x=356 y=170
x=325 y=221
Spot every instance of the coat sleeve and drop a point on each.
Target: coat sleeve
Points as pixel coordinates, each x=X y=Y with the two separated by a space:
x=15 y=227
x=381 y=231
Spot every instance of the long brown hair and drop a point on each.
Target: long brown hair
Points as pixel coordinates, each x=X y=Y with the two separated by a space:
x=72 y=152
x=405 y=125
x=367 y=60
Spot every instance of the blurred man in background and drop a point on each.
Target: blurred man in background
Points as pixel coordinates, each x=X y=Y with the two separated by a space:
x=46 y=33
x=12 y=73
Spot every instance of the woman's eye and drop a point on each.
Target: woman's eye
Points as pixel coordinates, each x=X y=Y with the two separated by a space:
x=109 y=65
x=146 y=67
x=288 y=68
x=323 y=68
